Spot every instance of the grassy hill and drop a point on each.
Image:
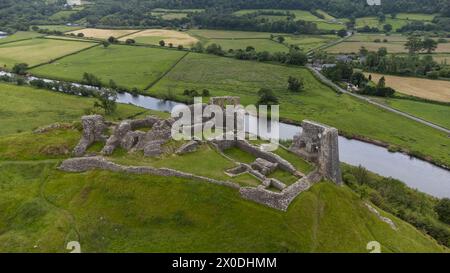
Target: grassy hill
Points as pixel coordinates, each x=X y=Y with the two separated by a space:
x=43 y=208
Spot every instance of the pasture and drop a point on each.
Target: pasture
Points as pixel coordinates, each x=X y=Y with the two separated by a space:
x=354 y=47
x=37 y=51
x=224 y=76
x=374 y=22
x=435 y=113
x=416 y=16
x=103 y=33
x=258 y=44
x=153 y=36
x=20 y=35
x=62 y=28
x=128 y=66
x=329 y=23
x=25 y=108
x=228 y=34
x=418 y=87
x=309 y=42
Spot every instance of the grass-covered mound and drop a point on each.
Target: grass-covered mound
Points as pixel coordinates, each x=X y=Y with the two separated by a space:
x=43 y=209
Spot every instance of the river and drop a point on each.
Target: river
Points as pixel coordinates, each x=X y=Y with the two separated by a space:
x=416 y=173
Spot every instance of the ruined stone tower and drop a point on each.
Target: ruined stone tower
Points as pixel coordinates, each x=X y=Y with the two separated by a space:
x=319 y=143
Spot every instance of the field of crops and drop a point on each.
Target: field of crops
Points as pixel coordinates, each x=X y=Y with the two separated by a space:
x=37 y=51
x=423 y=88
x=103 y=33
x=128 y=66
x=154 y=36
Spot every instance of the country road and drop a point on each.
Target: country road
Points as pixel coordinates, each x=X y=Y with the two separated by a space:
x=328 y=82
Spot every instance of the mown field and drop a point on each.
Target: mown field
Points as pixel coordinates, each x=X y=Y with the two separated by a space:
x=223 y=76
x=435 y=113
x=128 y=66
x=20 y=35
x=37 y=51
x=423 y=88
x=103 y=33
x=154 y=36
x=25 y=109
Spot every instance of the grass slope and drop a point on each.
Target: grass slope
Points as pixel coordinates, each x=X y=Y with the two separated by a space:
x=25 y=108
x=37 y=51
x=436 y=113
x=224 y=76
x=20 y=35
x=128 y=66
x=43 y=209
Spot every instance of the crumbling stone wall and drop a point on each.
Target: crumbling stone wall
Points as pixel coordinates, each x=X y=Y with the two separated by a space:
x=283 y=199
x=93 y=128
x=84 y=164
x=319 y=143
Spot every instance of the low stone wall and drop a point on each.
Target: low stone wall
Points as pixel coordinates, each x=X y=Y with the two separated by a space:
x=281 y=200
x=83 y=164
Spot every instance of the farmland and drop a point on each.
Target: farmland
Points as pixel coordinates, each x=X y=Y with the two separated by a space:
x=62 y=28
x=329 y=23
x=128 y=66
x=40 y=107
x=259 y=40
x=153 y=36
x=422 y=88
x=37 y=51
x=435 y=113
x=223 y=76
x=103 y=33
x=20 y=35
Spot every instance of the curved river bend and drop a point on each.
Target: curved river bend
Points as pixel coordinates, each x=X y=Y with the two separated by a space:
x=416 y=173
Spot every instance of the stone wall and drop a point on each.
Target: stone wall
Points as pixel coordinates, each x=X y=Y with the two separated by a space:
x=84 y=164
x=282 y=200
x=93 y=128
x=319 y=143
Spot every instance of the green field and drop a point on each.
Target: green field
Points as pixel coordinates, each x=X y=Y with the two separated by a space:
x=20 y=35
x=37 y=51
x=228 y=34
x=309 y=42
x=43 y=209
x=258 y=44
x=435 y=113
x=329 y=23
x=224 y=76
x=374 y=22
x=25 y=109
x=62 y=28
x=416 y=16
x=127 y=66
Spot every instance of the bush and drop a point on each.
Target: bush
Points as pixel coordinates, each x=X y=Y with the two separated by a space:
x=266 y=97
x=295 y=85
x=20 y=69
x=443 y=210
x=433 y=75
